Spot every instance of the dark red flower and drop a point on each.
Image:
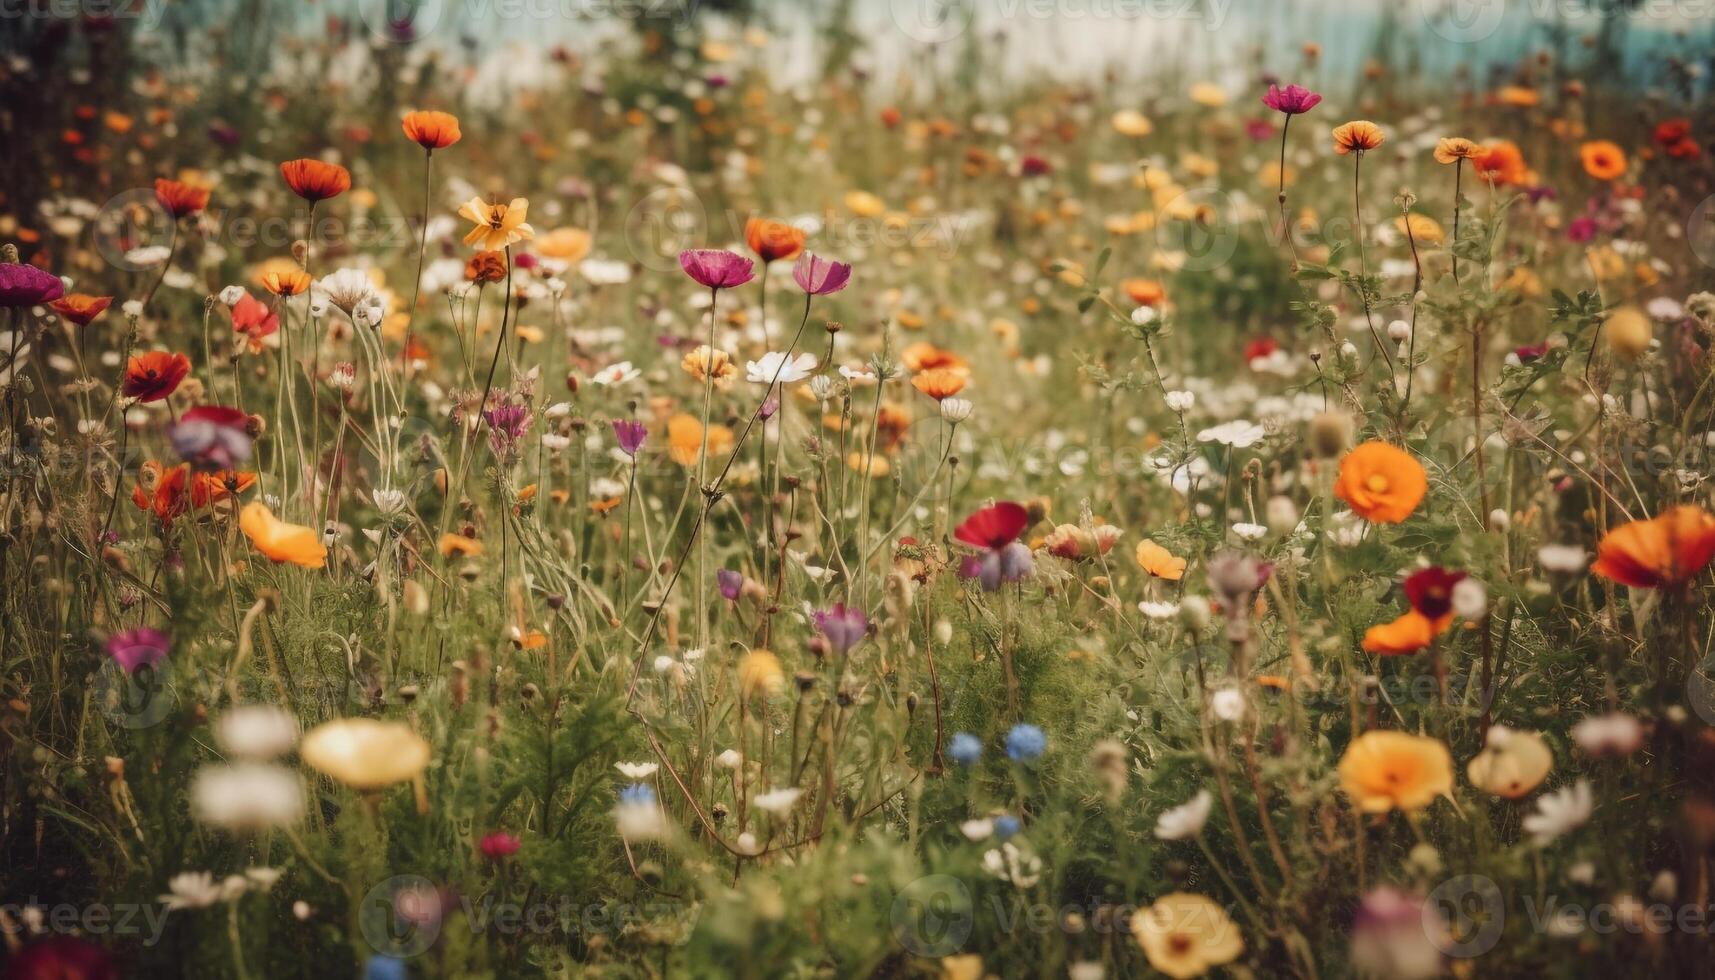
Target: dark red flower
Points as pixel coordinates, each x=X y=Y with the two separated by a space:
x=1430 y=590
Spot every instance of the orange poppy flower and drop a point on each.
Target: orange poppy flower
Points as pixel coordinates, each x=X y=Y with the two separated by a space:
x=1502 y=164
x=161 y=491
x=458 y=544
x=81 y=308
x=179 y=198
x=773 y=239
x=1159 y=562
x=1381 y=483
x=924 y=356
x=154 y=375
x=1407 y=634
x=1668 y=549
x=940 y=383
x=1452 y=148
x=212 y=488
x=1386 y=770
x=1144 y=292
x=1603 y=159
x=285 y=282
x=685 y=439
x=279 y=541
x=1357 y=136
x=431 y=130
x=315 y=180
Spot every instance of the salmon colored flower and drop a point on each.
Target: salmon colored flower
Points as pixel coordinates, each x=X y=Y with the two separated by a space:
x=565 y=244
x=1452 y=149
x=1358 y=136
x=285 y=282
x=924 y=356
x=1381 y=483
x=1666 y=550
x=154 y=375
x=497 y=225
x=252 y=318
x=1159 y=562
x=315 y=180
x=212 y=488
x=1387 y=770
x=431 y=130
x=179 y=198
x=81 y=308
x=773 y=240
x=940 y=383
x=1603 y=159
x=279 y=541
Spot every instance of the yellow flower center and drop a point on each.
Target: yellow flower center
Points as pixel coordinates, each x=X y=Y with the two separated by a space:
x=1376 y=483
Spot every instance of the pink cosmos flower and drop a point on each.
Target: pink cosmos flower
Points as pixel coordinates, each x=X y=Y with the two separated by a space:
x=1292 y=100
x=818 y=276
x=716 y=268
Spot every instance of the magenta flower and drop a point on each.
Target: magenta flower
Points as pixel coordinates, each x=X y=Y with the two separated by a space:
x=137 y=648
x=716 y=268
x=26 y=285
x=1292 y=100
x=844 y=628
x=499 y=844
x=507 y=423
x=630 y=434
x=818 y=276
x=212 y=437
x=731 y=583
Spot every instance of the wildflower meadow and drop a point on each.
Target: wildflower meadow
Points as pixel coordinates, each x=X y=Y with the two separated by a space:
x=856 y=488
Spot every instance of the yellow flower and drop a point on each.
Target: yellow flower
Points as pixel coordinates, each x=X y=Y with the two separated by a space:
x=1512 y=764
x=1628 y=331
x=1130 y=122
x=497 y=225
x=365 y=754
x=759 y=674
x=965 y=966
x=864 y=204
x=1424 y=229
x=1388 y=770
x=705 y=362
x=1186 y=935
x=1208 y=94
x=1159 y=562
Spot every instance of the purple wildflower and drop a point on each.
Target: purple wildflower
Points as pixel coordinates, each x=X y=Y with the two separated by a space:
x=630 y=434
x=137 y=648
x=844 y=627
x=507 y=423
x=730 y=582
x=212 y=437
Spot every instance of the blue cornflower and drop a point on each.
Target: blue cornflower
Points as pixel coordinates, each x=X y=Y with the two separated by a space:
x=1025 y=742
x=1005 y=826
x=965 y=748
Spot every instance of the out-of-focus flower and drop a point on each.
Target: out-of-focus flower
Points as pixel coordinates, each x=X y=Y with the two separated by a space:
x=499 y=845
x=1501 y=164
x=705 y=362
x=1292 y=100
x=315 y=180
x=1389 y=770
x=1025 y=742
x=778 y=801
x=759 y=674
x=496 y=226
x=1158 y=562
x=1381 y=483
x=180 y=199
x=1511 y=764
x=965 y=748
x=135 y=648
x=615 y=374
x=366 y=754
x=1608 y=736
x=1185 y=935
x=1411 y=632
x=818 y=276
x=279 y=541
x=61 y=958
x=730 y=583
x=630 y=434
x=211 y=437
x=247 y=797
x=1663 y=551
x=430 y=129
x=638 y=814
x=940 y=383
x=716 y=268
x=1358 y=136
x=843 y=626
x=1559 y=813
x=1603 y=159
x=1395 y=935
x=772 y=240
x=685 y=438
x=995 y=530
x=256 y=732
x=154 y=375
x=1451 y=149
x=776 y=367
x=81 y=308
x=1186 y=820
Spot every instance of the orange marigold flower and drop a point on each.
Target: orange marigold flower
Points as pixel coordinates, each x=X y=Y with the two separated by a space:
x=1357 y=136
x=486 y=267
x=1603 y=159
x=315 y=180
x=940 y=383
x=773 y=239
x=1385 y=770
x=81 y=308
x=1666 y=550
x=279 y=541
x=1381 y=483
x=179 y=198
x=1453 y=148
x=431 y=130
x=285 y=282
x=1407 y=634
x=1159 y=562
x=154 y=375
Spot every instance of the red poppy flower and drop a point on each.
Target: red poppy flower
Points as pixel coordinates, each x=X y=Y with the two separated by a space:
x=1430 y=590
x=161 y=491
x=315 y=180
x=252 y=318
x=179 y=198
x=81 y=308
x=153 y=376
x=995 y=526
x=1261 y=347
